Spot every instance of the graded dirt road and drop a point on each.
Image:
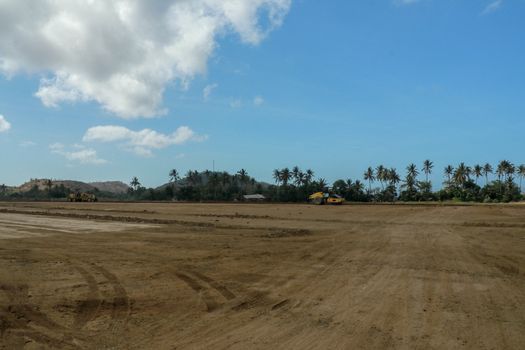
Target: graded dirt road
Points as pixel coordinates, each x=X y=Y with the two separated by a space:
x=218 y=276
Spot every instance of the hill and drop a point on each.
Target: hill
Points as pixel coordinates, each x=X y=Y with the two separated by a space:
x=115 y=187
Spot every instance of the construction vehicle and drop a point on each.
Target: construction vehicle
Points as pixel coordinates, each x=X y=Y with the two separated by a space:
x=82 y=197
x=322 y=198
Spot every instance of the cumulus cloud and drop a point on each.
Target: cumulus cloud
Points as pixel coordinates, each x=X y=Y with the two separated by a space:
x=80 y=154
x=4 y=124
x=141 y=142
x=122 y=54
x=237 y=103
x=208 y=90
x=258 y=101
x=492 y=7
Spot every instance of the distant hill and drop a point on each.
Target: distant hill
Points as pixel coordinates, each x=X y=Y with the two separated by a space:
x=116 y=187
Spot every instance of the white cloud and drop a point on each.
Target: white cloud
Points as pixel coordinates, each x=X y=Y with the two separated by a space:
x=141 y=142
x=208 y=90
x=123 y=53
x=258 y=101
x=492 y=7
x=27 y=144
x=236 y=103
x=81 y=154
x=4 y=124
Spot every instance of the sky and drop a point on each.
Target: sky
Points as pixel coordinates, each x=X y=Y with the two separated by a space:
x=97 y=90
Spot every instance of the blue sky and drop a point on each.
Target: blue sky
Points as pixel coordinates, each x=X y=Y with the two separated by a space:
x=336 y=86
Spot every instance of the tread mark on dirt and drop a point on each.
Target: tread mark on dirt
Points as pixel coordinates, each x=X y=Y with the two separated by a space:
x=88 y=309
x=121 y=305
x=225 y=292
x=21 y=313
x=211 y=304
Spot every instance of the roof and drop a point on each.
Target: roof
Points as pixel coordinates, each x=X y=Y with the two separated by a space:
x=254 y=196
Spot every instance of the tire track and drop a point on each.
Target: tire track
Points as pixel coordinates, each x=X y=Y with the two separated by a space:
x=225 y=292
x=203 y=292
x=88 y=309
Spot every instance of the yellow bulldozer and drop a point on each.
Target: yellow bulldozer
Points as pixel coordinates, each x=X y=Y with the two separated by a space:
x=322 y=198
x=82 y=197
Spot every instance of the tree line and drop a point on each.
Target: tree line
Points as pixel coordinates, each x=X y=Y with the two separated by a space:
x=379 y=184
x=478 y=183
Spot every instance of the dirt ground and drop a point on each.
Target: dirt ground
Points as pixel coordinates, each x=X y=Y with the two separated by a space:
x=219 y=276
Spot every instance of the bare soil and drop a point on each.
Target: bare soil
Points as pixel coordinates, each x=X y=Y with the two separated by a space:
x=232 y=276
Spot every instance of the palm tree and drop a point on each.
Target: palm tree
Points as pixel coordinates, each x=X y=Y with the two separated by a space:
x=300 y=179
x=277 y=176
x=427 y=168
x=500 y=170
x=358 y=186
x=477 y=171
x=487 y=169
x=134 y=183
x=243 y=178
x=510 y=170
x=369 y=176
x=194 y=177
x=504 y=169
x=285 y=176
x=412 y=171
x=393 y=176
x=174 y=176
x=449 y=170
x=322 y=184
x=381 y=175
x=521 y=173
x=309 y=175
x=295 y=173
x=461 y=174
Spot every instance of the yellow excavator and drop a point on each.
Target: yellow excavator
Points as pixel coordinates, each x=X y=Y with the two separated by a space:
x=82 y=197
x=322 y=198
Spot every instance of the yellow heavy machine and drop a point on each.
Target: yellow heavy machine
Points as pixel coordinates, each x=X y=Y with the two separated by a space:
x=322 y=198
x=82 y=197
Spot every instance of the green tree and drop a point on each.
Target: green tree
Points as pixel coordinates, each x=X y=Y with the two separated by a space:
x=477 y=171
x=285 y=176
x=381 y=175
x=370 y=177
x=322 y=184
x=449 y=170
x=295 y=174
x=461 y=175
x=243 y=178
x=487 y=169
x=277 y=176
x=135 y=184
x=521 y=174
x=427 y=168
x=412 y=171
x=308 y=176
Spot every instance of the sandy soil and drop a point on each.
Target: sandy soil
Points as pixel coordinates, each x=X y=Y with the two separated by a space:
x=205 y=276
